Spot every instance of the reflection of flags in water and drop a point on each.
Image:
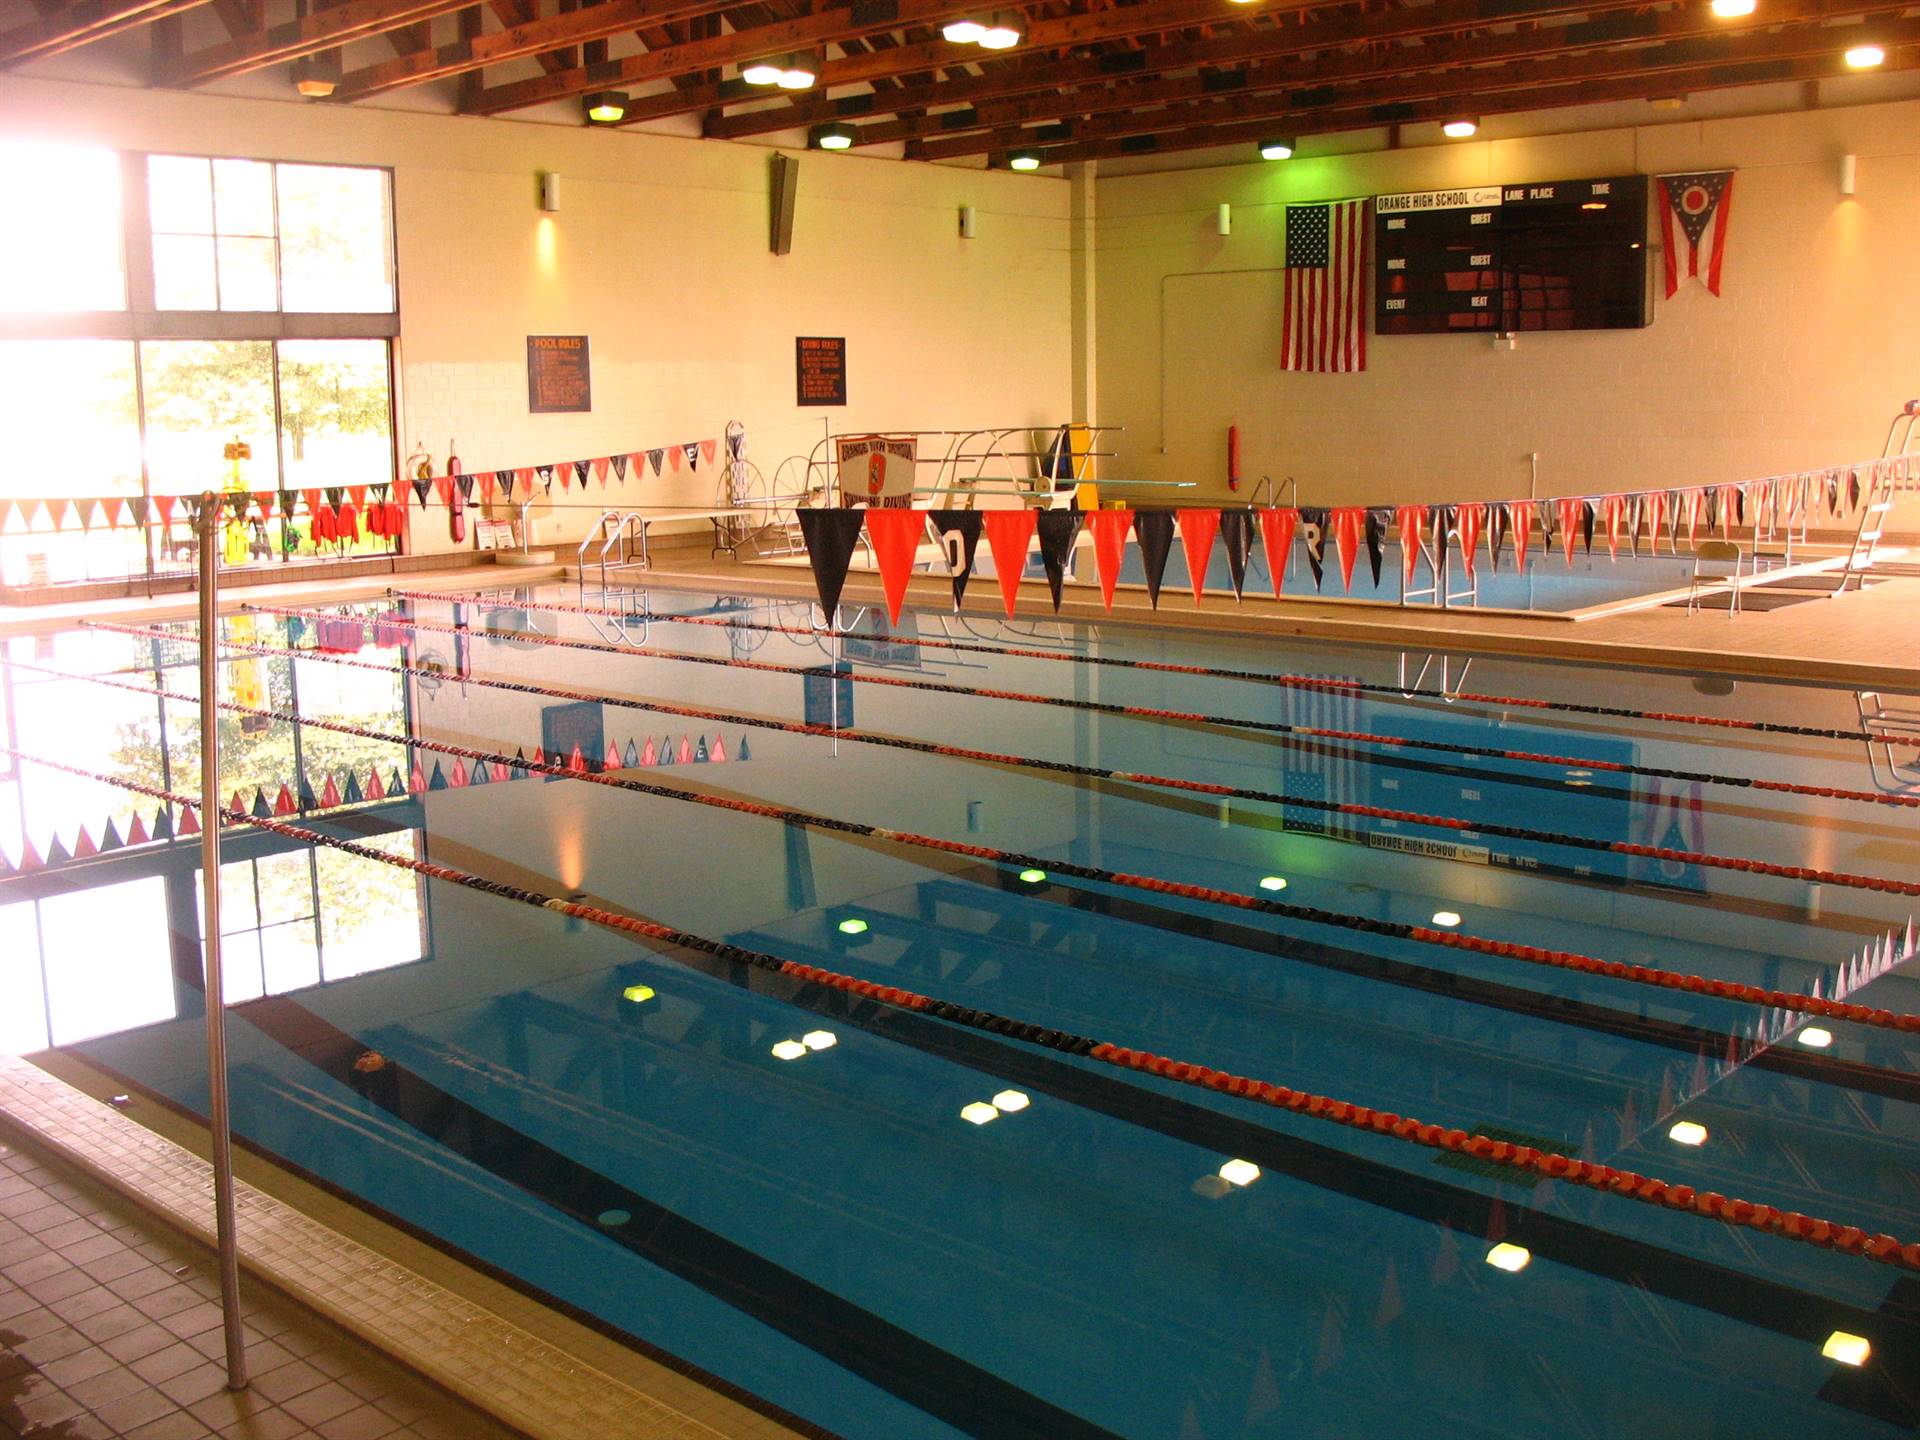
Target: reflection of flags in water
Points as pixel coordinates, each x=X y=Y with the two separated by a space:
x=1331 y=769
x=1672 y=820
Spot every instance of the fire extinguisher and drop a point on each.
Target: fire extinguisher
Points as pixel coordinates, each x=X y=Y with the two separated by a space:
x=1233 y=457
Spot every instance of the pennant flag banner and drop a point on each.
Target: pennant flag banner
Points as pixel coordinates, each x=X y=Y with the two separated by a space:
x=830 y=537
x=1154 y=530
x=1058 y=530
x=1236 y=535
x=1109 y=529
x=896 y=539
x=1198 y=528
x=1313 y=531
x=1009 y=534
x=959 y=532
x=1277 y=526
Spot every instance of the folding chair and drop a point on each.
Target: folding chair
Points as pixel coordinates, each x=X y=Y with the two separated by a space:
x=1716 y=553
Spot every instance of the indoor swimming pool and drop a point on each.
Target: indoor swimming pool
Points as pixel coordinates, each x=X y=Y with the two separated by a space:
x=836 y=1119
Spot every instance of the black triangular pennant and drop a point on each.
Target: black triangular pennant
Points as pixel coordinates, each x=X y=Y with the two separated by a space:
x=1154 y=530
x=1058 y=528
x=959 y=532
x=1376 y=535
x=1497 y=527
x=1236 y=535
x=1313 y=531
x=506 y=479
x=545 y=472
x=465 y=482
x=1586 y=524
x=831 y=536
x=580 y=469
x=1544 y=513
x=692 y=452
x=423 y=487
x=654 y=458
x=620 y=466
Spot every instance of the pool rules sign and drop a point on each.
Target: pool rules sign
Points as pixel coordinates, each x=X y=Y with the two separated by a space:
x=559 y=378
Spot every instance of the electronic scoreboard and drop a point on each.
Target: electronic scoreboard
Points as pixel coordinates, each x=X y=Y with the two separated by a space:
x=1557 y=255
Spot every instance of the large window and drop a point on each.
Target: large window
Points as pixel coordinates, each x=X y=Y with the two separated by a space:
x=160 y=307
x=252 y=235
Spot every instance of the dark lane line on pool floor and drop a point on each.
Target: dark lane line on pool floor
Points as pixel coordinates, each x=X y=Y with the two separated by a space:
x=1702 y=1283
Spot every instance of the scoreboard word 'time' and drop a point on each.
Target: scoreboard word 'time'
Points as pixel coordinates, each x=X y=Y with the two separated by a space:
x=1559 y=255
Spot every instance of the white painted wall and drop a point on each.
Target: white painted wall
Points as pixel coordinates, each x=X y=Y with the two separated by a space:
x=1800 y=362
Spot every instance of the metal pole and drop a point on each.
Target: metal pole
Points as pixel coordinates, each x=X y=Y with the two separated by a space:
x=218 y=1122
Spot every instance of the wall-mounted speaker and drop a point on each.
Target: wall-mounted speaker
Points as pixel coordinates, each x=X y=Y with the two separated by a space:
x=550 y=191
x=783 y=181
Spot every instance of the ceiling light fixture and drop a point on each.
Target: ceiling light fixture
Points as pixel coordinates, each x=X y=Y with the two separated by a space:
x=1006 y=31
x=314 y=87
x=1010 y=1102
x=1024 y=160
x=1276 y=149
x=1688 y=1132
x=853 y=926
x=819 y=1040
x=1459 y=129
x=762 y=72
x=1847 y=1348
x=1446 y=918
x=606 y=107
x=1864 y=57
x=1733 y=9
x=965 y=31
x=1273 y=882
x=800 y=72
x=1240 y=1172
x=1814 y=1038
x=831 y=137
x=789 y=1050
x=978 y=1113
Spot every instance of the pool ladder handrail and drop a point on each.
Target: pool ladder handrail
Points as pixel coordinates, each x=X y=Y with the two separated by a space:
x=1881 y=493
x=1882 y=727
x=1450 y=684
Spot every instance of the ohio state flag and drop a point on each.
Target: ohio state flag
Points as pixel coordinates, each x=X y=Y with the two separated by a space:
x=1695 y=205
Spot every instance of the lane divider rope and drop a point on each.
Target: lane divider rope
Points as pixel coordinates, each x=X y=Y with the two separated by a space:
x=1285 y=680
x=1808 y=874
x=1539 y=1164
x=1294 y=732
x=1732 y=990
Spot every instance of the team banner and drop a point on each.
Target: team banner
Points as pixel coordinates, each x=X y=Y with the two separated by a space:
x=875 y=469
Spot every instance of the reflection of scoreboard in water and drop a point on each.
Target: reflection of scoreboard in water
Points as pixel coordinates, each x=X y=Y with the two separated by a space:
x=1561 y=255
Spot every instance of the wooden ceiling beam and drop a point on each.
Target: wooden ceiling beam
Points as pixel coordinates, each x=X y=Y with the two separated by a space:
x=530 y=37
x=1536 y=96
x=861 y=18
x=307 y=35
x=843 y=22
x=61 y=28
x=1629 y=25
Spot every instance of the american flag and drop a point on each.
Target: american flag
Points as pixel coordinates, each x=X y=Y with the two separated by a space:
x=1325 y=326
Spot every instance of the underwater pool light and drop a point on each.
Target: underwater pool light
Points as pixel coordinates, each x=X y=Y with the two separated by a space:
x=1847 y=1348
x=1509 y=1257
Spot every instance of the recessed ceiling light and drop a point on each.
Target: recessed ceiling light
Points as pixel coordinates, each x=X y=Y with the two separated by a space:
x=1273 y=882
x=1447 y=918
x=1814 y=1038
x=1024 y=160
x=853 y=926
x=1509 y=1257
x=1275 y=149
x=1009 y=1102
x=1848 y=1349
x=1033 y=877
x=1688 y=1132
x=1459 y=129
x=789 y=1050
x=1865 y=57
x=1733 y=9
x=978 y=1113
x=819 y=1040
x=1240 y=1172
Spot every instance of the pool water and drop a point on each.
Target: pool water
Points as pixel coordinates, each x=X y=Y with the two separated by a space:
x=845 y=1232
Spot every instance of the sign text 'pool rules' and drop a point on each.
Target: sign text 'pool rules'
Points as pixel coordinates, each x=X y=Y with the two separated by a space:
x=820 y=369
x=559 y=378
